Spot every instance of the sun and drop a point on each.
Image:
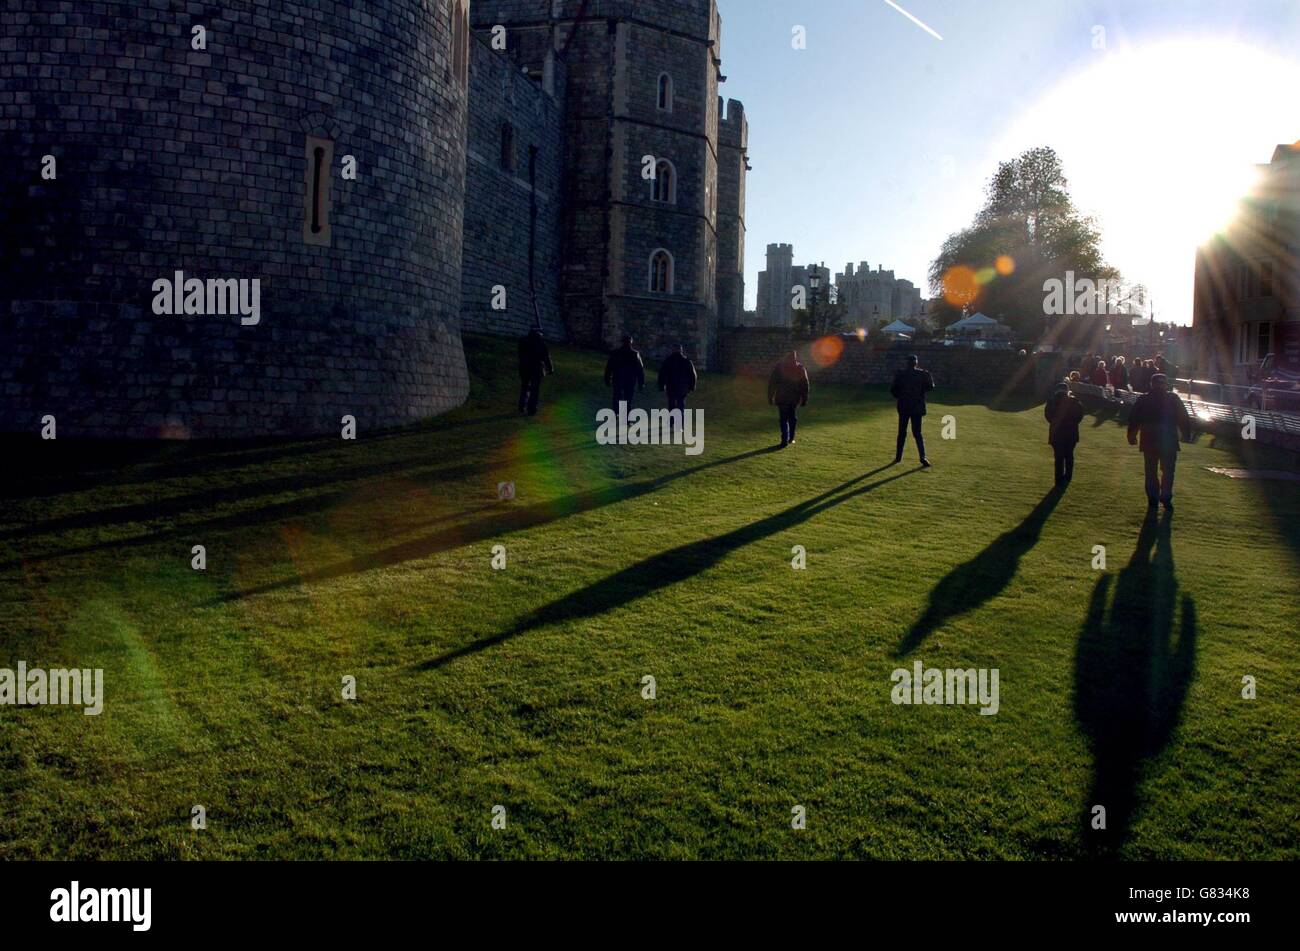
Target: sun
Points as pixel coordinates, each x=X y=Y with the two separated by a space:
x=1160 y=142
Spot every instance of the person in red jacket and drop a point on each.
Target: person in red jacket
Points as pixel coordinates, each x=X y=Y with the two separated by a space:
x=1064 y=413
x=788 y=389
x=1099 y=375
x=1159 y=417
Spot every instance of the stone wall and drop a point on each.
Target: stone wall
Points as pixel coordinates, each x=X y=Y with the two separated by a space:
x=733 y=150
x=499 y=199
x=614 y=56
x=851 y=360
x=171 y=158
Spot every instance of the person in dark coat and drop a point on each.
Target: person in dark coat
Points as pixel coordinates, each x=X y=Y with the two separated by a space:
x=625 y=372
x=1137 y=376
x=909 y=388
x=1118 y=374
x=1064 y=413
x=787 y=388
x=677 y=378
x=1159 y=417
x=534 y=364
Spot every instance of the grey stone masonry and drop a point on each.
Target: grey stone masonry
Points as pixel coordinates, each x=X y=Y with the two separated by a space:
x=227 y=162
x=641 y=92
x=733 y=166
x=511 y=113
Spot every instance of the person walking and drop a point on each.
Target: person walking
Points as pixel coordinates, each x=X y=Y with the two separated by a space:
x=1159 y=418
x=534 y=364
x=1137 y=376
x=677 y=378
x=909 y=389
x=625 y=372
x=787 y=388
x=1064 y=413
x=1118 y=374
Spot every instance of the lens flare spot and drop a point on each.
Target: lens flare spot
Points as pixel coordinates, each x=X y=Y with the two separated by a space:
x=826 y=351
x=960 y=286
x=984 y=275
x=1005 y=264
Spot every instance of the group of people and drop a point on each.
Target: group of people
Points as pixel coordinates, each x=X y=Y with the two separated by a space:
x=1156 y=423
x=624 y=373
x=787 y=389
x=1121 y=374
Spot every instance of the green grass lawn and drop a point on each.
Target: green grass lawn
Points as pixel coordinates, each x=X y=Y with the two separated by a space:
x=523 y=687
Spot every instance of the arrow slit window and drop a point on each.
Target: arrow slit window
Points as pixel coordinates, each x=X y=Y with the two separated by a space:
x=318 y=158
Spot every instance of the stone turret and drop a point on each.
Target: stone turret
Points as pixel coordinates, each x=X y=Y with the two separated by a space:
x=217 y=153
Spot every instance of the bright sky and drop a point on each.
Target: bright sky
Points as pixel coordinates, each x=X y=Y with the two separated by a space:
x=876 y=141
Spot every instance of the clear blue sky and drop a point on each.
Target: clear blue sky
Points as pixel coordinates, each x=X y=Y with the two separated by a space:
x=875 y=142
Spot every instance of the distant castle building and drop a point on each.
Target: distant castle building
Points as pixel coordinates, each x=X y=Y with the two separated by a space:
x=877 y=296
x=651 y=219
x=776 y=286
x=869 y=297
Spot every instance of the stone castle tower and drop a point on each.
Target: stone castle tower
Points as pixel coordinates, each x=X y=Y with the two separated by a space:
x=142 y=140
x=661 y=258
x=733 y=166
x=774 y=283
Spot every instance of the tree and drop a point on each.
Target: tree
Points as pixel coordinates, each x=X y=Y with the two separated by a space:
x=1027 y=233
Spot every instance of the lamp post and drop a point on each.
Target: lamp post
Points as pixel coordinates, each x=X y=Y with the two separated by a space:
x=815 y=282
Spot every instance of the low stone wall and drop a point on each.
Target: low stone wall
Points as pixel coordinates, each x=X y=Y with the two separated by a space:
x=755 y=350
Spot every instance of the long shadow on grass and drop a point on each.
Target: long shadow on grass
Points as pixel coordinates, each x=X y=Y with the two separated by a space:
x=982 y=578
x=668 y=568
x=511 y=520
x=241 y=492
x=91 y=464
x=1281 y=498
x=1131 y=680
x=264 y=515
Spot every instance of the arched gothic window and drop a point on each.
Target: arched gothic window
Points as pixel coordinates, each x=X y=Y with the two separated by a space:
x=661 y=272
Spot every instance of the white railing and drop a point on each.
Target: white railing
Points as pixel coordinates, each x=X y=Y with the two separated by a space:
x=1200 y=410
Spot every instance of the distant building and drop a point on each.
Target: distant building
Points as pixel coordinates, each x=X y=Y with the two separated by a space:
x=777 y=283
x=872 y=298
x=774 y=283
x=1248 y=277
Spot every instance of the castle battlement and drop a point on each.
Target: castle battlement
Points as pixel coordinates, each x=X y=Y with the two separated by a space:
x=733 y=127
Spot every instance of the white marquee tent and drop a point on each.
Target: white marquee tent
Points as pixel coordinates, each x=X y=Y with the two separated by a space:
x=898 y=327
x=978 y=325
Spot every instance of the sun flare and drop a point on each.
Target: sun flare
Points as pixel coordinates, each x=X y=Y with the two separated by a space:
x=1160 y=142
